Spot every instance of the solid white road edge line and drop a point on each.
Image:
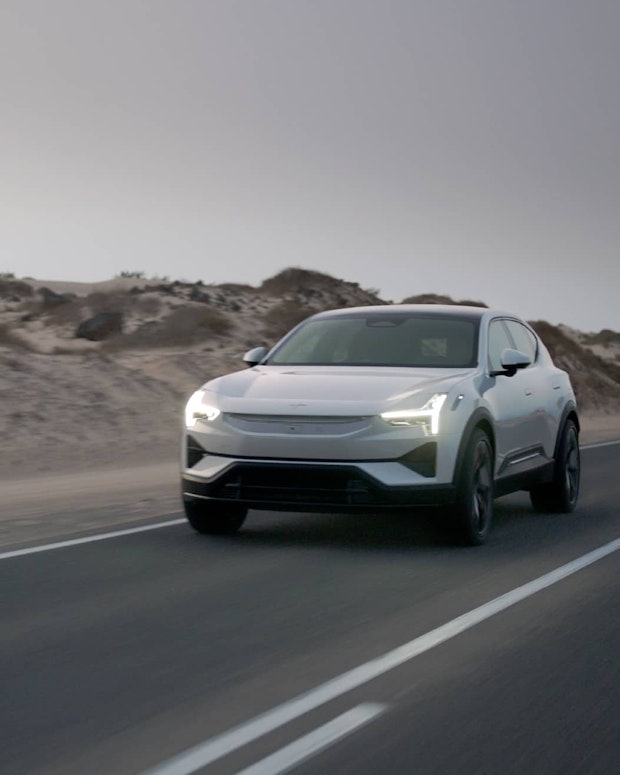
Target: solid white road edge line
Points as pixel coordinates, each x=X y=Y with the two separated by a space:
x=599 y=444
x=318 y=740
x=221 y=745
x=89 y=539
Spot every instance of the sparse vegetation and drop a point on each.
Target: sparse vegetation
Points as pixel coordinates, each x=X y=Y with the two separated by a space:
x=596 y=382
x=108 y=301
x=131 y=275
x=68 y=314
x=295 y=279
x=184 y=326
x=7 y=276
x=10 y=288
x=437 y=298
x=282 y=317
x=149 y=305
x=207 y=318
x=605 y=337
x=11 y=338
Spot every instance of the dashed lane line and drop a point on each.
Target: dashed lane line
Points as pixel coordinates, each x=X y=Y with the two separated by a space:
x=221 y=745
x=316 y=741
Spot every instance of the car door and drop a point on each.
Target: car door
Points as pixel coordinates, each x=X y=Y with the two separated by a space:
x=536 y=382
x=513 y=405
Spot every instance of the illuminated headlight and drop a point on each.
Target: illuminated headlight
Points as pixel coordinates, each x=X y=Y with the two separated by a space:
x=426 y=416
x=196 y=410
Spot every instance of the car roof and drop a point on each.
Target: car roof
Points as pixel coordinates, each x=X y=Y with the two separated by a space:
x=439 y=310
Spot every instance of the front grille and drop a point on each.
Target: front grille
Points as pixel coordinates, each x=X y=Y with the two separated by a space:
x=310 y=487
x=303 y=425
x=320 y=485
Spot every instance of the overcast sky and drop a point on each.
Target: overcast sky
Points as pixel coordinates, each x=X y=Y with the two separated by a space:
x=462 y=147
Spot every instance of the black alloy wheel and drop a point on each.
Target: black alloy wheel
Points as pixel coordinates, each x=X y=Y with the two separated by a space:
x=473 y=513
x=560 y=495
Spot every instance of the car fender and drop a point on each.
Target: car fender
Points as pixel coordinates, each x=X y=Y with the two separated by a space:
x=569 y=409
x=480 y=417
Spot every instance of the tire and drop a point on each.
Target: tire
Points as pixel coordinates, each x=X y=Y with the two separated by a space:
x=472 y=515
x=560 y=495
x=214 y=518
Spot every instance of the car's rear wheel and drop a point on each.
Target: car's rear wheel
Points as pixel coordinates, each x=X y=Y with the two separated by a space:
x=214 y=518
x=472 y=514
x=560 y=495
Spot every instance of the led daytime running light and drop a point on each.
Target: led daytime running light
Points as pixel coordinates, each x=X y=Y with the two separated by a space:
x=428 y=415
x=196 y=410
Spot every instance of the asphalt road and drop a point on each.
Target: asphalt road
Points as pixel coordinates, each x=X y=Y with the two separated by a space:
x=117 y=656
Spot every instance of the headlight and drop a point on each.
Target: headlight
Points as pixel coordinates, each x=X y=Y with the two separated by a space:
x=196 y=410
x=426 y=416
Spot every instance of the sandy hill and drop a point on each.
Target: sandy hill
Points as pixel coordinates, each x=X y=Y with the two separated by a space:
x=94 y=374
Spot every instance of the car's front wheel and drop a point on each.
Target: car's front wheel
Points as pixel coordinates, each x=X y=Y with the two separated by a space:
x=214 y=518
x=472 y=514
x=560 y=495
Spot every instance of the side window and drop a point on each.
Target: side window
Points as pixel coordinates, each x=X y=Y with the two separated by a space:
x=523 y=338
x=498 y=341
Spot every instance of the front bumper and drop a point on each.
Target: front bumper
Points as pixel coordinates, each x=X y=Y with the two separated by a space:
x=316 y=486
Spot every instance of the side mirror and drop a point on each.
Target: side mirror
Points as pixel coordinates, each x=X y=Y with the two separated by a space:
x=255 y=356
x=512 y=361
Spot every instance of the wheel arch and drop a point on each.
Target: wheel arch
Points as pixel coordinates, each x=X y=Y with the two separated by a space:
x=481 y=419
x=568 y=413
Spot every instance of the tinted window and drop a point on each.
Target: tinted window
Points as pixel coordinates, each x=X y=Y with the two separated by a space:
x=498 y=341
x=393 y=339
x=523 y=338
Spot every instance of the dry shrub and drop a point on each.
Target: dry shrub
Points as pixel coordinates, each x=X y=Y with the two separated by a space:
x=184 y=326
x=605 y=337
x=70 y=313
x=471 y=303
x=296 y=280
x=11 y=338
x=108 y=301
x=438 y=298
x=284 y=316
x=236 y=287
x=76 y=349
x=148 y=305
x=17 y=288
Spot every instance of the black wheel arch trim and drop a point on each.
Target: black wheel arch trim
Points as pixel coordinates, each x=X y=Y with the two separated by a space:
x=568 y=413
x=481 y=418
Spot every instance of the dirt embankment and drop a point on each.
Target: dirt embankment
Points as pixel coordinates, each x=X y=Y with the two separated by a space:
x=95 y=376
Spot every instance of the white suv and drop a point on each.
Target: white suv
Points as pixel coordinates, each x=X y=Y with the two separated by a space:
x=379 y=408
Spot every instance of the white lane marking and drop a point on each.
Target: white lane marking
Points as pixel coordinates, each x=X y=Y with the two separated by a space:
x=89 y=539
x=600 y=444
x=318 y=740
x=216 y=747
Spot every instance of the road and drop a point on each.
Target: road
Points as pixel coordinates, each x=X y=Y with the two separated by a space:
x=119 y=655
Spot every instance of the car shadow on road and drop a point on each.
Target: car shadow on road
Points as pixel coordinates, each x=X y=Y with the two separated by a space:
x=423 y=529
x=515 y=525
x=371 y=531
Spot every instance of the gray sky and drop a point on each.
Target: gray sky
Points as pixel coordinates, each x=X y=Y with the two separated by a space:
x=468 y=147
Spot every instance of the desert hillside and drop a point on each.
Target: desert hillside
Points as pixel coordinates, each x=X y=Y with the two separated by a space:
x=98 y=374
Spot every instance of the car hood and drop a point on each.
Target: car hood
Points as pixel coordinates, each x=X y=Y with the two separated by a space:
x=327 y=391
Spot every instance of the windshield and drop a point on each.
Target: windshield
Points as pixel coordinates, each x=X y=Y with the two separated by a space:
x=393 y=339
